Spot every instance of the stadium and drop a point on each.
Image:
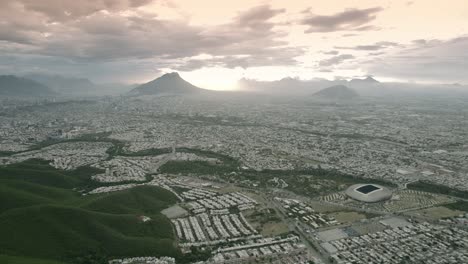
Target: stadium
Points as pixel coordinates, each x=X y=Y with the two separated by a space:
x=368 y=193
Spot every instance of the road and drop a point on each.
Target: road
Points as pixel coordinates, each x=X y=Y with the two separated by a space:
x=294 y=225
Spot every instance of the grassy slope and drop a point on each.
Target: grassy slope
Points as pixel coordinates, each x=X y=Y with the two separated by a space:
x=38 y=172
x=139 y=200
x=58 y=231
x=22 y=260
x=16 y=194
x=42 y=217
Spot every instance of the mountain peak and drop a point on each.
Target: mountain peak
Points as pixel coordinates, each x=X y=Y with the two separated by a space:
x=337 y=92
x=169 y=83
x=170 y=75
x=368 y=80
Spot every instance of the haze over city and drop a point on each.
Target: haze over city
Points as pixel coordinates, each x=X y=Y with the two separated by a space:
x=233 y=132
x=214 y=44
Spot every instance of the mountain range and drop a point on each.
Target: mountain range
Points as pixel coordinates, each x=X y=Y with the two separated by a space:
x=11 y=85
x=34 y=85
x=71 y=86
x=64 y=85
x=297 y=86
x=54 y=85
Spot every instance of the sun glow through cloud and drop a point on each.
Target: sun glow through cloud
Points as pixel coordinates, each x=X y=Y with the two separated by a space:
x=214 y=43
x=220 y=79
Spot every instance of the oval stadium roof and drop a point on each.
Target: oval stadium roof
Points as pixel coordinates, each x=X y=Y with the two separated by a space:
x=369 y=193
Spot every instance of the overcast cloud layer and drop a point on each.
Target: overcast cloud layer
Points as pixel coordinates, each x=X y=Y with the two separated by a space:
x=130 y=40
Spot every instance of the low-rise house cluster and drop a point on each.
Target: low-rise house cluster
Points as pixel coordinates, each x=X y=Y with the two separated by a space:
x=127 y=168
x=197 y=193
x=144 y=260
x=283 y=250
x=66 y=156
x=461 y=219
x=414 y=243
x=303 y=212
x=222 y=202
x=204 y=227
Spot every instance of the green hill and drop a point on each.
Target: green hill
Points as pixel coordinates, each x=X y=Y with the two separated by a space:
x=43 y=217
x=59 y=232
x=139 y=200
x=16 y=194
x=22 y=260
x=40 y=172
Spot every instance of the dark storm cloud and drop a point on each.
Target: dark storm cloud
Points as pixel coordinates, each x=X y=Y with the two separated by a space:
x=428 y=60
x=348 y=20
x=335 y=60
x=377 y=46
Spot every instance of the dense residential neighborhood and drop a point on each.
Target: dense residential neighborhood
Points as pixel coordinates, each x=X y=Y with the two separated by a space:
x=216 y=160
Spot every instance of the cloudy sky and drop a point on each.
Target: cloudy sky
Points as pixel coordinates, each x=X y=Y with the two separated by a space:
x=214 y=43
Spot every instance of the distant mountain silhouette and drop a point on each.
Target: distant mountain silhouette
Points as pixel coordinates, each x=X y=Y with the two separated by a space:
x=336 y=92
x=71 y=86
x=11 y=85
x=285 y=86
x=367 y=81
x=65 y=85
x=169 y=83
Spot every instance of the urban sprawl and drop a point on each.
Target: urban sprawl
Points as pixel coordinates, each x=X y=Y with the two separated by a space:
x=272 y=176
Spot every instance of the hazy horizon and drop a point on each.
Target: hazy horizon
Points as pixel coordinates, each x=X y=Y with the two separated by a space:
x=222 y=132
x=214 y=44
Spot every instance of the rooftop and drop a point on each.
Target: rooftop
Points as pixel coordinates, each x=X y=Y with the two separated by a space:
x=366 y=189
